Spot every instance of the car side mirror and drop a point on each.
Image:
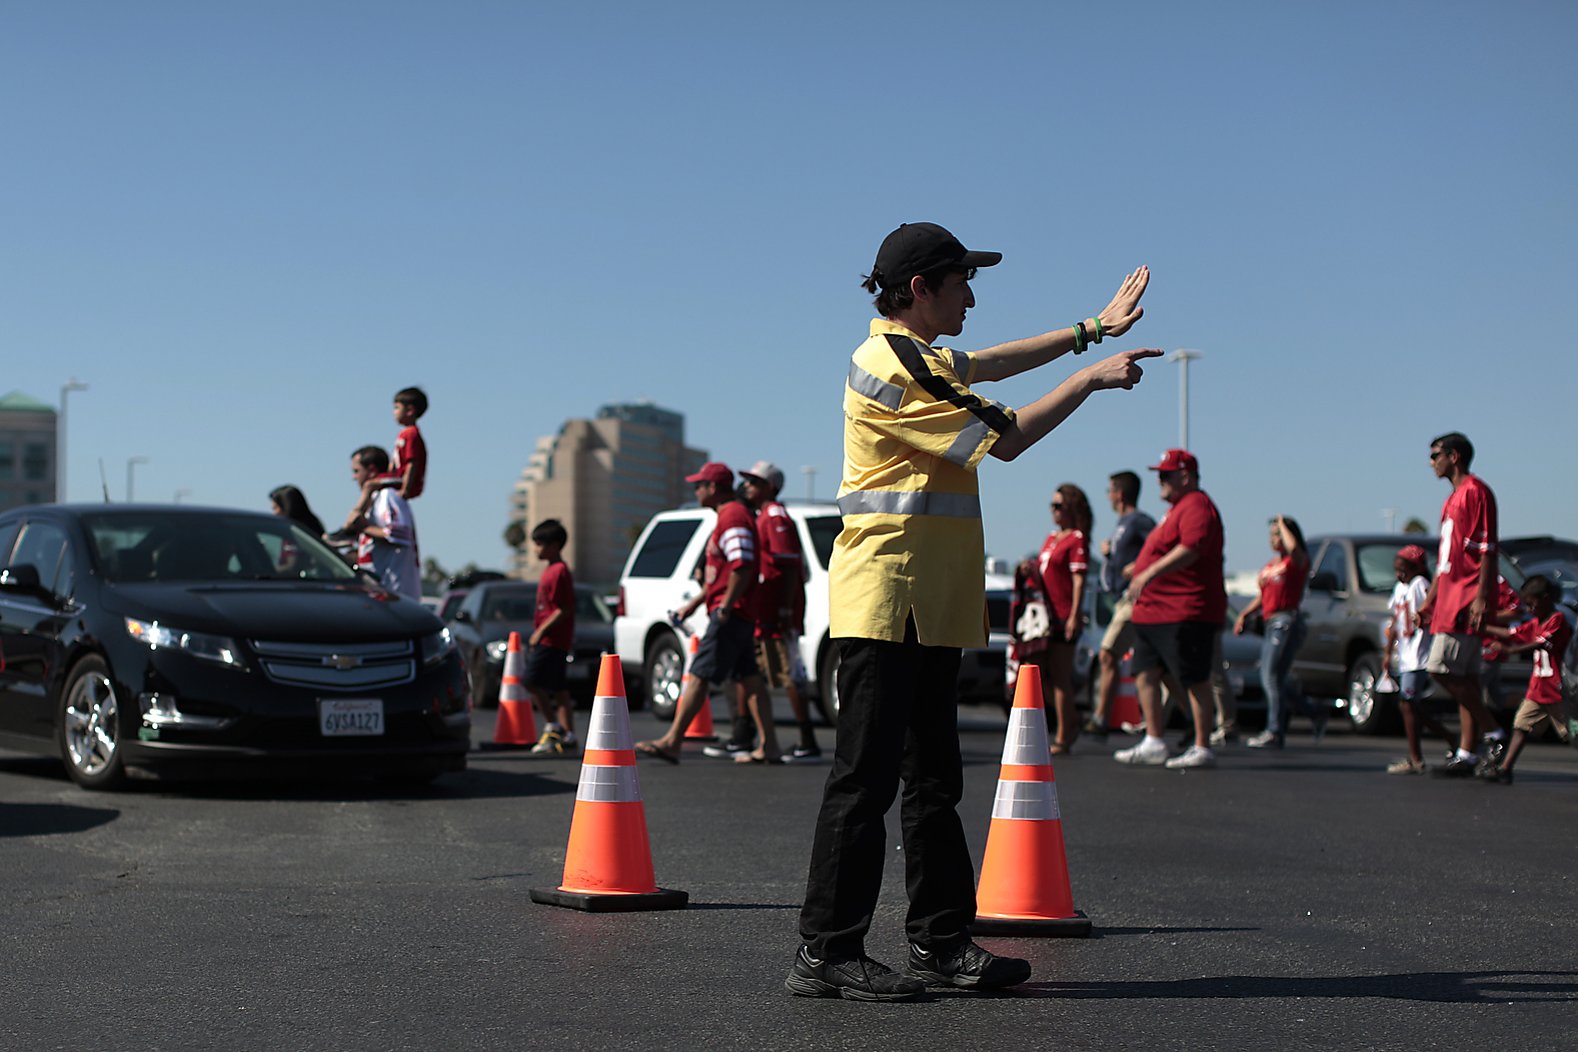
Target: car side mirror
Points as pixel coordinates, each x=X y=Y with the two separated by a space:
x=1323 y=582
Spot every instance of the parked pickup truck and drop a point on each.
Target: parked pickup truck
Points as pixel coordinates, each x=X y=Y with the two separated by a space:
x=1346 y=604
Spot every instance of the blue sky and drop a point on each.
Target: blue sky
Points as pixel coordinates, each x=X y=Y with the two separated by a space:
x=246 y=226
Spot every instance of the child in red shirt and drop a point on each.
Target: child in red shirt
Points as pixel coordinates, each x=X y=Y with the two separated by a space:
x=552 y=638
x=1545 y=636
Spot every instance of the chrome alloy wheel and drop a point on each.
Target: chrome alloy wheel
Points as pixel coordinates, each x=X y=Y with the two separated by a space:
x=90 y=722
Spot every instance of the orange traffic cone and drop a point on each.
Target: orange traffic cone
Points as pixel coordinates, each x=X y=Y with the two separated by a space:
x=1024 y=886
x=608 y=863
x=701 y=728
x=515 y=725
x=1125 y=710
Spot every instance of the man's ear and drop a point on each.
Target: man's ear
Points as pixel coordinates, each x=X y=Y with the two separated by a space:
x=919 y=289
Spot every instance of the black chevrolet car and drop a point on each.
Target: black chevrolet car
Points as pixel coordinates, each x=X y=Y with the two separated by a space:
x=176 y=638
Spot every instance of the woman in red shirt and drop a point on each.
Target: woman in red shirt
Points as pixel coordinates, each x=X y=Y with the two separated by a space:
x=1062 y=565
x=1282 y=583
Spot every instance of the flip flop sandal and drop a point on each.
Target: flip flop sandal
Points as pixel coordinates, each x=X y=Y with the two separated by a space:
x=656 y=753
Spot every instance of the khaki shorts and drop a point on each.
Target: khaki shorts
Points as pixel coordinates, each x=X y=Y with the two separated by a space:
x=1120 y=631
x=1532 y=717
x=1454 y=654
x=776 y=661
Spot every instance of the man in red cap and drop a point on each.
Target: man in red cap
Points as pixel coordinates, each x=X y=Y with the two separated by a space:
x=727 y=649
x=907 y=595
x=1180 y=603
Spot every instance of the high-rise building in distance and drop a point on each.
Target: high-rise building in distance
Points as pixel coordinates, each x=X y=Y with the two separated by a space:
x=603 y=478
x=27 y=451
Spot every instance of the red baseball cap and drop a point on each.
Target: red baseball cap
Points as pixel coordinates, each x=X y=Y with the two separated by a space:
x=713 y=471
x=1177 y=460
x=1412 y=553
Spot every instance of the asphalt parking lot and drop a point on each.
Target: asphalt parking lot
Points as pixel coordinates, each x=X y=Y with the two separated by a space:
x=1294 y=900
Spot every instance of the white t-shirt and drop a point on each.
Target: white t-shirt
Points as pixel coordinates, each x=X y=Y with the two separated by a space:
x=394 y=562
x=1411 y=646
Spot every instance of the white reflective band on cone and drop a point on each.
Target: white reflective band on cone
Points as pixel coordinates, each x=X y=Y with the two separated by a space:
x=1026 y=740
x=1033 y=801
x=609 y=727
x=511 y=691
x=514 y=662
x=608 y=785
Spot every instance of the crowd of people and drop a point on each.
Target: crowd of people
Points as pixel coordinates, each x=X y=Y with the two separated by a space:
x=1166 y=588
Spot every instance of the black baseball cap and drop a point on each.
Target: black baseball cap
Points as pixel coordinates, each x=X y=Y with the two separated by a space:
x=915 y=248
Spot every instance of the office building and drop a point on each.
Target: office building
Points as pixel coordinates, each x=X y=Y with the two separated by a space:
x=27 y=451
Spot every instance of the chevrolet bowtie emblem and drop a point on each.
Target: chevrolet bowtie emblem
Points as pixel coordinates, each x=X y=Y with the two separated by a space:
x=342 y=661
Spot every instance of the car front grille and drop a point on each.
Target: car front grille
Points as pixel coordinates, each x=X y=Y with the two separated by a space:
x=337 y=666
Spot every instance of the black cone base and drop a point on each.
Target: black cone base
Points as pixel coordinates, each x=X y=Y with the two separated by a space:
x=1075 y=927
x=661 y=899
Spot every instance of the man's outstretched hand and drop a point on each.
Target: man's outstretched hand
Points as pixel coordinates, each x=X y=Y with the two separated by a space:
x=1121 y=370
x=1125 y=309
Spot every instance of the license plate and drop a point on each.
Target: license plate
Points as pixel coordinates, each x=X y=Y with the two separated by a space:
x=351 y=716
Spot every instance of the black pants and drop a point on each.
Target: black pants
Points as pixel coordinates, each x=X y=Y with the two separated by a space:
x=897 y=717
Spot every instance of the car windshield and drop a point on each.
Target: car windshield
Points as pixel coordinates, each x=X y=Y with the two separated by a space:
x=517 y=604
x=137 y=546
x=1375 y=564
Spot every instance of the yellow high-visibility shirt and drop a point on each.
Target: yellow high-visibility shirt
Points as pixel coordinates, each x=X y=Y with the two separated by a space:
x=914 y=434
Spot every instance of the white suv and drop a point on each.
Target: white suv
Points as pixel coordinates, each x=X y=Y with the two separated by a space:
x=661 y=574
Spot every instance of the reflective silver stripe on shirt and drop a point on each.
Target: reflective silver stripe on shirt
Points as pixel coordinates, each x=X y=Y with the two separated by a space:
x=609 y=727
x=910 y=502
x=965 y=443
x=1026 y=740
x=609 y=785
x=880 y=391
x=1029 y=801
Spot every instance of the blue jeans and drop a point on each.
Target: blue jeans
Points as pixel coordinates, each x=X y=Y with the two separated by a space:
x=1284 y=633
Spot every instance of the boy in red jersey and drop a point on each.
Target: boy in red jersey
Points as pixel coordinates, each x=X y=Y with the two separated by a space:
x=1546 y=636
x=1462 y=600
x=728 y=646
x=552 y=638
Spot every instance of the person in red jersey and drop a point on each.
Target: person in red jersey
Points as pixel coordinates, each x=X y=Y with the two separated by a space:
x=1282 y=583
x=1546 y=636
x=780 y=600
x=1064 y=558
x=1180 y=603
x=728 y=646
x=552 y=641
x=1462 y=599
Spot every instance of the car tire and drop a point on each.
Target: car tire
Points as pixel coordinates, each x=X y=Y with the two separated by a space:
x=663 y=676
x=827 y=684
x=1369 y=711
x=90 y=726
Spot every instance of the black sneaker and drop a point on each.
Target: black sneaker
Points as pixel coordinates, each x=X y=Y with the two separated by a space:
x=856 y=979
x=724 y=750
x=1496 y=776
x=804 y=754
x=967 y=966
x=1456 y=767
x=1491 y=750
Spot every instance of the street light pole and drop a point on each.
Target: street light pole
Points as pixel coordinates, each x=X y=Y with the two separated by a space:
x=66 y=388
x=132 y=462
x=1183 y=356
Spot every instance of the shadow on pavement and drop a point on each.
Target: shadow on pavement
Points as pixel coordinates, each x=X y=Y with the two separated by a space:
x=1099 y=932
x=470 y=784
x=1489 y=987
x=743 y=906
x=42 y=819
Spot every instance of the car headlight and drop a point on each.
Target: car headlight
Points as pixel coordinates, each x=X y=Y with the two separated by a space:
x=218 y=649
x=497 y=649
x=436 y=647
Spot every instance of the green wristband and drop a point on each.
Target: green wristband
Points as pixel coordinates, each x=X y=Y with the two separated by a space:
x=1099 y=334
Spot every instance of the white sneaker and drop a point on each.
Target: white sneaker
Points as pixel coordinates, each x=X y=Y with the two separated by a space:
x=1194 y=756
x=1149 y=753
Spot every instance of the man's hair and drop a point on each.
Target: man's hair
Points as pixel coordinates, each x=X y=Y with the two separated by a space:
x=413 y=397
x=1457 y=442
x=550 y=531
x=1538 y=587
x=1128 y=484
x=374 y=457
x=897 y=298
x=1078 y=505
